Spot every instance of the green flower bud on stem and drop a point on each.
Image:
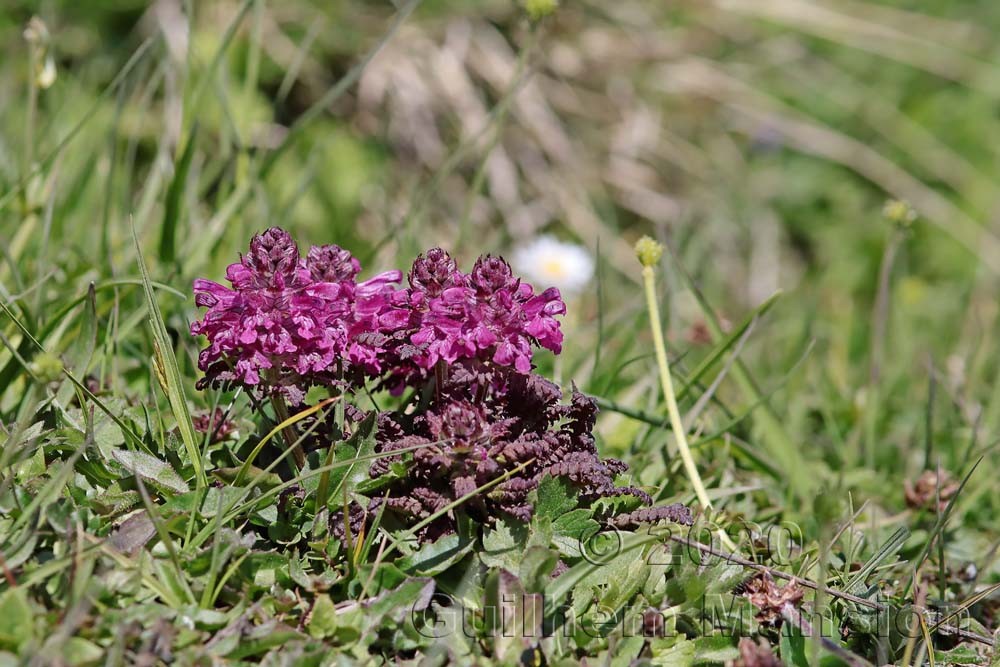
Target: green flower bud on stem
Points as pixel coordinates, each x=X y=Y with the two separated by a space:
x=899 y=212
x=649 y=251
x=539 y=9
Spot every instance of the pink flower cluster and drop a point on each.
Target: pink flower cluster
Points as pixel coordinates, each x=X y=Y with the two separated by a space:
x=489 y=314
x=288 y=322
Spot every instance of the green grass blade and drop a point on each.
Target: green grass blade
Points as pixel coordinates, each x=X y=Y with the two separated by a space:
x=172 y=206
x=291 y=421
x=731 y=339
x=165 y=363
x=886 y=551
x=164 y=535
x=27 y=347
x=775 y=437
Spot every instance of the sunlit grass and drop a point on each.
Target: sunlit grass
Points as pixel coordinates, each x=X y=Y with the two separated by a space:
x=758 y=141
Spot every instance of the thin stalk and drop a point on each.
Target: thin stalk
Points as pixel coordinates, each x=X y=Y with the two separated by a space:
x=649 y=253
x=32 y=106
x=880 y=320
x=676 y=423
x=775 y=437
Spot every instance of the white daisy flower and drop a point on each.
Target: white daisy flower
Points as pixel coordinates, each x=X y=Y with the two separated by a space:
x=549 y=262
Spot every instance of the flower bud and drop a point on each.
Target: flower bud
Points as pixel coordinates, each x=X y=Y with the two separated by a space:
x=539 y=9
x=331 y=263
x=899 y=212
x=648 y=251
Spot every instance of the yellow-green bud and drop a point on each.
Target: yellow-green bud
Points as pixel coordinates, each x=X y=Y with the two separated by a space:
x=47 y=367
x=899 y=212
x=539 y=9
x=649 y=251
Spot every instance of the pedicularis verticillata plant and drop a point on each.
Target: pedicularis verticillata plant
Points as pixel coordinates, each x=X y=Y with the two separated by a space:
x=461 y=343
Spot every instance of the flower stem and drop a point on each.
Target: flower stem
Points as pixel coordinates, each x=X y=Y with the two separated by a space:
x=676 y=423
x=31 y=107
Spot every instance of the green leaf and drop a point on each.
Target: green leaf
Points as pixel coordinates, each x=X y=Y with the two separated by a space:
x=151 y=470
x=206 y=501
x=679 y=653
x=554 y=498
x=623 y=583
x=626 y=650
x=715 y=649
x=595 y=571
x=514 y=618
x=536 y=566
x=614 y=505
x=32 y=468
x=323 y=621
x=78 y=651
x=385 y=577
x=115 y=501
x=17 y=624
x=362 y=441
x=963 y=654
x=886 y=551
x=265 y=480
x=108 y=435
x=793 y=648
x=572 y=531
x=262 y=638
x=436 y=557
x=503 y=545
x=81 y=353
x=333 y=483
x=412 y=595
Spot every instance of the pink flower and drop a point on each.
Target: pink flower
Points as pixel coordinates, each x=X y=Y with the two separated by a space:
x=489 y=314
x=287 y=323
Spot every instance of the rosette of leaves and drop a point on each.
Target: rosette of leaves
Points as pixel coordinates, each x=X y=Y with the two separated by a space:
x=482 y=449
